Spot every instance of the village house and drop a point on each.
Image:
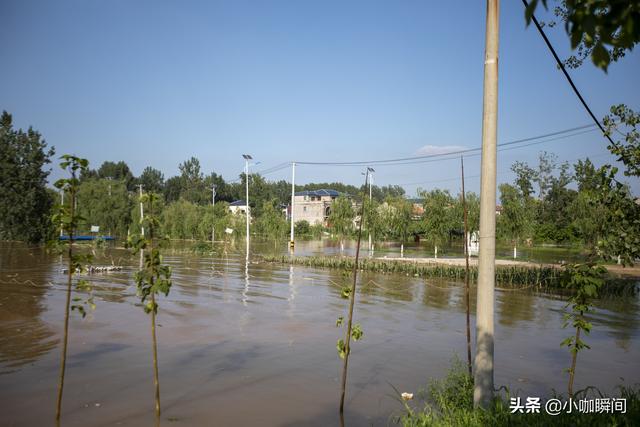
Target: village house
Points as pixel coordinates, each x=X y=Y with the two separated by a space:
x=238 y=207
x=313 y=206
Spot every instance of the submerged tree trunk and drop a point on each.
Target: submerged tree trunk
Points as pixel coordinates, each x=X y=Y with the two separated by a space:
x=574 y=357
x=63 y=361
x=156 y=380
x=350 y=321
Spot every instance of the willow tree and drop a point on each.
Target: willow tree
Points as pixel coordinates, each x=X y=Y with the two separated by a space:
x=401 y=212
x=516 y=219
x=439 y=216
x=341 y=218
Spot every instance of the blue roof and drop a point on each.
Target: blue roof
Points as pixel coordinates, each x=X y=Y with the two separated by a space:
x=238 y=203
x=318 y=193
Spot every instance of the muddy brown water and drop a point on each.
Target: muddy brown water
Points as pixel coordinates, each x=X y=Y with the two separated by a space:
x=255 y=345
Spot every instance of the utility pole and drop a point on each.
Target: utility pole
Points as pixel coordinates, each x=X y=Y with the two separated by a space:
x=213 y=206
x=293 y=196
x=141 y=211
x=466 y=271
x=370 y=205
x=61 y=204
x=141 y=227
x=247 y=157
x=483 y=377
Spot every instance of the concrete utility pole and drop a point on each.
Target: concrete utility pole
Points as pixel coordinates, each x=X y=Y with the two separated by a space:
x=371 y=171
x=483 y=377
x=141 y=227
x=141 y=211
x=466 y=271
x=213 y=206
x=246 y=178
x=293 y=195
x=61 y=204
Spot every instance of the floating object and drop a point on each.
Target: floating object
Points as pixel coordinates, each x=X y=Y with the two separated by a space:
x=228 y=230
x=83 y=237
x=90 y=269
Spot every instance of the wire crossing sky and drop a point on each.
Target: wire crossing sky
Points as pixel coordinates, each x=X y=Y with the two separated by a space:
x=336 y=84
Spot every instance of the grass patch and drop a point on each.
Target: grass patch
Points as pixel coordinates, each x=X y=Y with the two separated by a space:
x=542 y=278
x=449 y=403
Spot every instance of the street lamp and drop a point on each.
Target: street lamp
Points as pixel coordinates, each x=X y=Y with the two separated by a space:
x=369 y=176
x=247 y=157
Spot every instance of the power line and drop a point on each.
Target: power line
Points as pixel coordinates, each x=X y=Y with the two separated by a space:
x=566 y=133
x=478 y=176
x=566 y=74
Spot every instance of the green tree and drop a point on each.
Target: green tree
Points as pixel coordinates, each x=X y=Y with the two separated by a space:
x=173 y=189
x=153 y=279
x=341 y=218
x=601 y=29
x=152 y=180
x=525 y=177
x=271 y=222
x=584 y=280
x=181 y=219
x=625 y=121
x=117 y=171
x=439 y=216
x=217 y=217
x=69 y=218
x=106 y=203
x=302 y=228
x=25 y=203
x=373 y=220
x=192 y=182
x=516 y=219
x=621 y=219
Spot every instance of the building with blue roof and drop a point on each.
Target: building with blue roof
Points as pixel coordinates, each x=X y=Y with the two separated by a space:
x=314 y=206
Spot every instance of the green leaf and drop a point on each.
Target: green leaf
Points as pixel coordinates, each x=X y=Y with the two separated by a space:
x=600 y=56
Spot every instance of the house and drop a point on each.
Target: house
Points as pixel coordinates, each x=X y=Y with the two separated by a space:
x=313 y=206
x=239 y=206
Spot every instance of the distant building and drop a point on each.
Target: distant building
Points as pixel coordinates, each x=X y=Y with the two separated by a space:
x=313 y=206
x=239 y=206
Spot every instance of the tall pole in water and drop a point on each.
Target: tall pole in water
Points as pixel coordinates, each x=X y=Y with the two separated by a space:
x=247 y=157
x=61 y=204
x=213 y=206
x=141 y=211
x=483 y=377
x=141 y=227
x=370 y=204
x=293 y=196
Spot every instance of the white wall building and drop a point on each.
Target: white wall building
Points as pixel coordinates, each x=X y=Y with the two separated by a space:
x=313 y=206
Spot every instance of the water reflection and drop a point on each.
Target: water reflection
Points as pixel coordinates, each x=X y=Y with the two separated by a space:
x=235 y=333
x=24 y=337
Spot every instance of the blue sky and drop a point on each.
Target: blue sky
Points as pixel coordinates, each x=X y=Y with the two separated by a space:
x=154 y=83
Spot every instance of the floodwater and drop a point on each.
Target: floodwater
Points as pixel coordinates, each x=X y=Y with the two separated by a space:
x=255 y=344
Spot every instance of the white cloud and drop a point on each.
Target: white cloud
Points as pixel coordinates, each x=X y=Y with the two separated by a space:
x=439 y=149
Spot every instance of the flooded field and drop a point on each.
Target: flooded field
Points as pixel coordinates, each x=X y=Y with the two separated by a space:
x=254 y=344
